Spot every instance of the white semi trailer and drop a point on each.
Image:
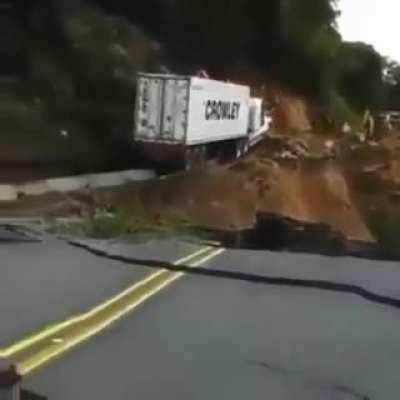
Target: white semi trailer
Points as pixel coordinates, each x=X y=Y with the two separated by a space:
x=185 y=120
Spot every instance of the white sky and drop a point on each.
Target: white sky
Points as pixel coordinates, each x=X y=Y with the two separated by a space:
x=376 y=22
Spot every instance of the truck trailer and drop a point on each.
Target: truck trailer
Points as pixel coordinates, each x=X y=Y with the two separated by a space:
x=185 y=120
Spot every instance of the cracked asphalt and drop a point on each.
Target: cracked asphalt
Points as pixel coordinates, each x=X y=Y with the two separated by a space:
x=223 y=336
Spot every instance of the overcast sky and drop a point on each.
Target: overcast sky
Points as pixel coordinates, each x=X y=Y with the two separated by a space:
x=376 y=22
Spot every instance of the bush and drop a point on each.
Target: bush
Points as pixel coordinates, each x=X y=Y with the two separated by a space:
x=385 y=226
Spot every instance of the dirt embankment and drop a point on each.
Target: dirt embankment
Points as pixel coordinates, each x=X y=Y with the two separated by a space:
x=230 y=199
x=356 y=193
x=290 y=112
x=279 y=177
x=374 y=177
x=353 y=188
x=225 y=198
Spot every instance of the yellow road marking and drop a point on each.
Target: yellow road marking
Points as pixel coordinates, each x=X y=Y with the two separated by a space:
x=53 y=329
x=38 y=349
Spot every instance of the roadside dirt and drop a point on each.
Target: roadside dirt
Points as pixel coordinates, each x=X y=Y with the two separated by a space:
x=355 y=191
x=230 y=199
x=223 y=198
x=290 y=112
x=373 y=173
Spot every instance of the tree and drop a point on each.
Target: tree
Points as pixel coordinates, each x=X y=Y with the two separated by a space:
x=392 y=85
x=359 y=75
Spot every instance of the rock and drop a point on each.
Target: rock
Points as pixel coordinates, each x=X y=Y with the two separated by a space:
x=269 y=163
x=371 y=169
x=298 y=147
x=329 y=144
x=361 y=136
x=288 y=155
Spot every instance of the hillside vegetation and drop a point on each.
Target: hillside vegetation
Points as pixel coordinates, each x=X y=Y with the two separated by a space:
x=80 y=60
x=73 y=100
x=70 y=89
x=293 y=42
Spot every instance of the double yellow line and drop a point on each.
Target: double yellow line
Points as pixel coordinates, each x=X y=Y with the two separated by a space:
x=34 y=351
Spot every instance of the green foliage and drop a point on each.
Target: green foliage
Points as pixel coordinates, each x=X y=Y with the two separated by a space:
x=102 y=225
x=97 y=46
x=338 y=109
x=295 y=41
x=359 y=75
x=105 y=227
x=131 y=221
x=83 y=79
x=385 y=226
x=392 y=85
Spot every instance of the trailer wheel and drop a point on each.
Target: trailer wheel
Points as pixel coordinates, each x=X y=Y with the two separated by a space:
x=202 y=156
x=188 y=159
x=195 y=158
x=246 y=147
x=241 y=148
x=238 y=149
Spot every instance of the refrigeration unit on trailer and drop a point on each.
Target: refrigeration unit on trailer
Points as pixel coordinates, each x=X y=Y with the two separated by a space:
x=184 y=119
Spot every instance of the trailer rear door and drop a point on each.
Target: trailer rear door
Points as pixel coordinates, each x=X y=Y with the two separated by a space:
x=148 y=108
x=161 y=108
x=175 y=105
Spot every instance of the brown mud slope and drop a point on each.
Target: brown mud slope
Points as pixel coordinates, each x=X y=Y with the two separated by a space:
x=374 y=177
x=231 y=198
x=314 y=192
x=223 y=198
x=290 y=113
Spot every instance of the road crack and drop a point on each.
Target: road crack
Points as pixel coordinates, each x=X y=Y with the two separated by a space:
x=324 y=285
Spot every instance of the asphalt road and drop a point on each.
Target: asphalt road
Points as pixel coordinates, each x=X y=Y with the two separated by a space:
x=48 y=281
x=230 y=337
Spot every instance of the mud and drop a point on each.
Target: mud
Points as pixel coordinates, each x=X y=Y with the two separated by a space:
x=276 y=233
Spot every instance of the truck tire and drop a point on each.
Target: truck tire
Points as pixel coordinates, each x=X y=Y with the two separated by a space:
x=238 y=149
x=203 y=156
x=188 y=159
x=241 y=148
x=246 y=147
x=195 y=158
